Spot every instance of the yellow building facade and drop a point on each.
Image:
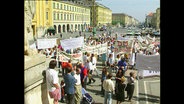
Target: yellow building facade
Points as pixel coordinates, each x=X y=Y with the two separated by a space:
x=42 y=19
x=62 y=15
x=101 y=15
x=68 y=16
x=118 y=18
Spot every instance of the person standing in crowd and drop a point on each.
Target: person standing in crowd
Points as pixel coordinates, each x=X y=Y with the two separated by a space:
x=117 y=59
x=94 y=61
x=70 y=86
x=120 y=95
x=104 y=75
x=78 y=88
x=83 y=75
x=60 y=62
x=85 y=58
x=108 y=86
x=65 y=65
x=119 y=74
x=104 y=58
x=52 y=81
x=90 y=71
x=122 y=63
x=130 y=86
x=110 y=63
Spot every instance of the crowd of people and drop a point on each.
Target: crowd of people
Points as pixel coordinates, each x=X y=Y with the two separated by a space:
x=78 y=75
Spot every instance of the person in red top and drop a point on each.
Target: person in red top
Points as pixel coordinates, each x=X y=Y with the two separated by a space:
x=65 y=65
x=83 y=75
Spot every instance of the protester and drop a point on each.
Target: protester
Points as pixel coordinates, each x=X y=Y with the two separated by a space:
x=109 y=87
x=85 y=58
x=104 y=75
x=83 y=75
x=90 y=69
x=122 y=63
x=110 y=63
x=52 y=81
x=94 y=61
x=70 y=86
x=130 y=86
x=78 y=88
x=104 y=59
x=120 y=95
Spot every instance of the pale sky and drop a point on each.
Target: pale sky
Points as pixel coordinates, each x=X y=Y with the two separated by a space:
x=135 y=8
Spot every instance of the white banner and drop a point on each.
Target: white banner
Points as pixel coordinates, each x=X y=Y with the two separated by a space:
x=140 y=38
x=147 y=62
x=146 y=73
x=72 y=43
x=46 y=43
x=132 y=59
x=98 y=49
x=77 y=57
x=126 y=38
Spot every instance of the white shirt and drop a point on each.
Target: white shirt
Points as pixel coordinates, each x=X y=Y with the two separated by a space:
x=77 y=77
x=89 y=66
x=108 y=85
x=94 y=62
x=51 y=78
x=84 y=59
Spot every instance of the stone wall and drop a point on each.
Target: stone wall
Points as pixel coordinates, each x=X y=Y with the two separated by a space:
x=35 y=89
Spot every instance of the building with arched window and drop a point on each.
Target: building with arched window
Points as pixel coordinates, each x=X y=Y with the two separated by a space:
x=69 y=16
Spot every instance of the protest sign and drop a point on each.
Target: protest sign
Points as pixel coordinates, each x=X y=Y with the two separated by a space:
x=46 y=43
x=72 y=43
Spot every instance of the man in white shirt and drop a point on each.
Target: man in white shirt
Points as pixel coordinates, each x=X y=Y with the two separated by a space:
x=94 y=61
x=52 y=81
x=90 y=69
x=109 y=87
x=85 y=58
x=78 y=88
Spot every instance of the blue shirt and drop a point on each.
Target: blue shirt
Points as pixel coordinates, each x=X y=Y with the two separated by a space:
x=104 y=57
x=69 y=84
x=122 y=63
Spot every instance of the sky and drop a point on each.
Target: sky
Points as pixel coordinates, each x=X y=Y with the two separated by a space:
x=135 y=8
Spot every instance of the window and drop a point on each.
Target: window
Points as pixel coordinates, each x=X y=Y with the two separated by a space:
x=70 y=17
x=64 y=7
x=61 y=16
x=58 y=16
x=64 y=16
x=58 y=5
x=54 y=16
x=54 y=5
x=61 y=6
x=47 y=16
x=67 y=17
